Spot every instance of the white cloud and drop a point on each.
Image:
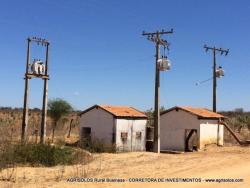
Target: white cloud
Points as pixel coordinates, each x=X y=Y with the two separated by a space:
x=76 y=93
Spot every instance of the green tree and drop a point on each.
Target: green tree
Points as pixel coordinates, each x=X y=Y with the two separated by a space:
x=57 y=108
x=150 y=114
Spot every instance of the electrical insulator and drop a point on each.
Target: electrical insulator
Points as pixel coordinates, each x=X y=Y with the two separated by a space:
x=164 y=64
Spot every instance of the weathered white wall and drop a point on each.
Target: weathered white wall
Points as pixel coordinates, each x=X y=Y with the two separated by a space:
x=131 y=127
x=173 y=125
x=101 y=123
x=210 y=133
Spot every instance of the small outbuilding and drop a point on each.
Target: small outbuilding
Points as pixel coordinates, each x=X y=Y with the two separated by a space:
x=188 y=128
x=122 y=126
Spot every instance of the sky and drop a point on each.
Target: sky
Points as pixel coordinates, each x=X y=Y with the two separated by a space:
x=99 y=56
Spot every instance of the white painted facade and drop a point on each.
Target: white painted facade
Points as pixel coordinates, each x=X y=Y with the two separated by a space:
x=175 y=123
x=132 y=127
x=108 y=128
x=211 y=133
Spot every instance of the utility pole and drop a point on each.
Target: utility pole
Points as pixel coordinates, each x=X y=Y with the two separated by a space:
x=26 y=96
x=217 y=73
x=45 y=98
x=155 y=37
x=36 y=70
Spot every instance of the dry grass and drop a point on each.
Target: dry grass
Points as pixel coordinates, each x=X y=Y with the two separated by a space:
x=214 y=162
x=12 y=119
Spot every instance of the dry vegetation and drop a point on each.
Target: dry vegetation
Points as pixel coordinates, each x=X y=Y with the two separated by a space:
x=240 y=123
x=213 y=162
x=226 y=162
x=11 y=119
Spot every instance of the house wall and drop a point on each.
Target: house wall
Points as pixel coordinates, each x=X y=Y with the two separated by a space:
x=210 y=133
x=172 y=129
x=131 y=127
x=101 y=123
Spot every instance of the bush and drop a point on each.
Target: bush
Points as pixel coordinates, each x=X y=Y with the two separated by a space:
x=40 y=154
x=97 y=146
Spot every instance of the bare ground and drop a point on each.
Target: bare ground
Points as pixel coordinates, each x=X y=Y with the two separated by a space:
x=214 y=162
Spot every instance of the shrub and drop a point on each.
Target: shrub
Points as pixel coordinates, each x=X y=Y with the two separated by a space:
x=40 y=154
x=97 y=146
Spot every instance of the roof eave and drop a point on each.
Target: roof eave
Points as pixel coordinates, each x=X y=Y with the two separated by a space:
x=210 y=118
x=168 y=110
x=131 y=117
x=88 y=109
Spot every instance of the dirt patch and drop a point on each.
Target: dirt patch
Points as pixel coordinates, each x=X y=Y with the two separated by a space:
x=214 y=162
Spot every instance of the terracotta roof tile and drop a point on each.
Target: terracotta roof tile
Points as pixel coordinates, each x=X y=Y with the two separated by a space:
x=123 y=111
x=119 y=111
x=200 y=112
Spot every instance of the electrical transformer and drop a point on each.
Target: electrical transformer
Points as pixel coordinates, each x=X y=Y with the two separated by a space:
x=220 y=72
x=37 y=67
x=164 y=64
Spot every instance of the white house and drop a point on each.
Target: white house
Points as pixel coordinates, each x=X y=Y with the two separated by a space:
x=120 y=125
x=188 y=128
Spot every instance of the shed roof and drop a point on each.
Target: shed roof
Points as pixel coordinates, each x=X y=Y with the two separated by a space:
x=119 y=111
x=202 y=113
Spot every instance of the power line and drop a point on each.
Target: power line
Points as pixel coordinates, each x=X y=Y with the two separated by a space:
x=115 y=67
x=203 y=81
